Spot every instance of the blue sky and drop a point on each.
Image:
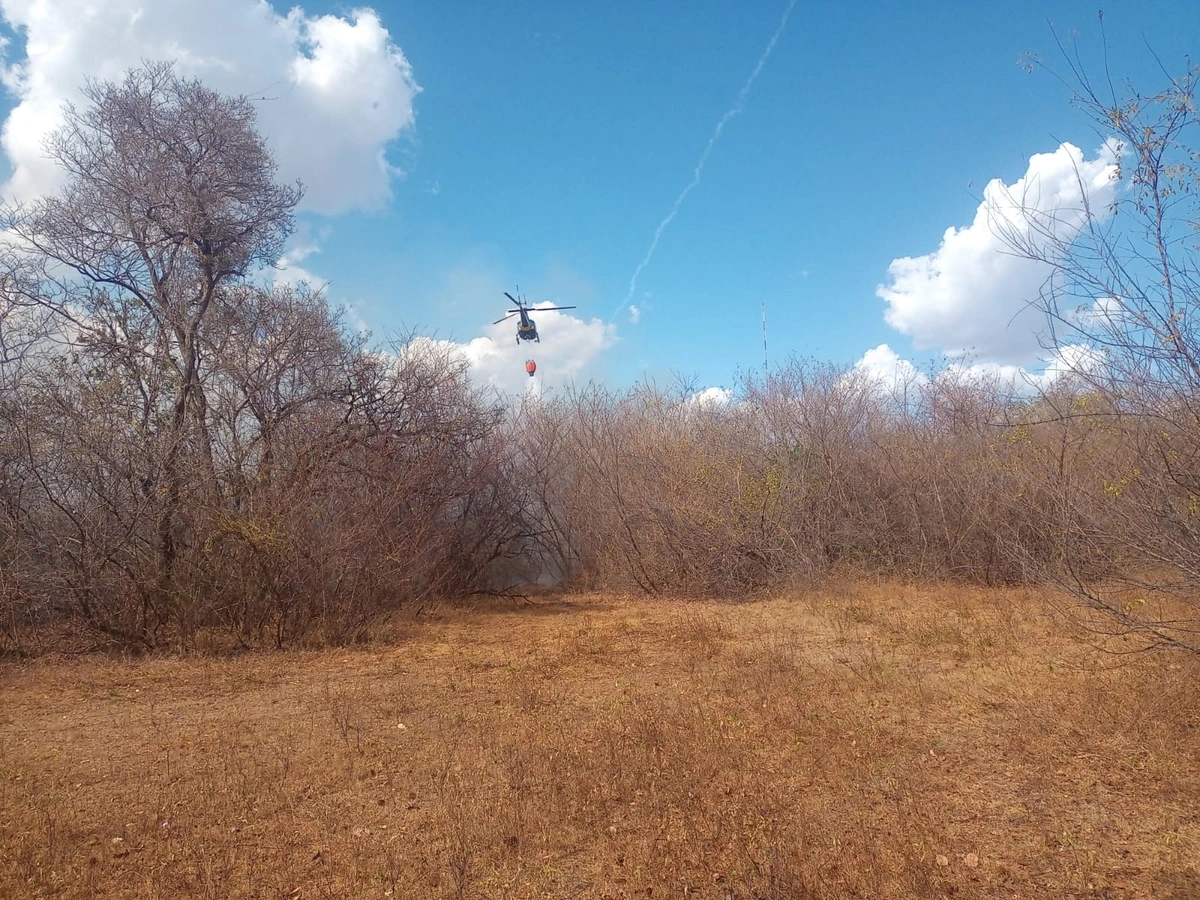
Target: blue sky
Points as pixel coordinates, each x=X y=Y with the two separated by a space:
x=548 y=141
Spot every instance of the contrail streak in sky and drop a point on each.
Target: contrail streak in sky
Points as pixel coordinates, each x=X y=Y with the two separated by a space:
x=738 y=105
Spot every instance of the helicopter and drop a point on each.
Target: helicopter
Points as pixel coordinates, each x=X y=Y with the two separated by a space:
x=526 y=328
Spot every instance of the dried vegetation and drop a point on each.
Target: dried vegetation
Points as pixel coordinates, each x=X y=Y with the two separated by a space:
x=198 y=467
x=870 y=739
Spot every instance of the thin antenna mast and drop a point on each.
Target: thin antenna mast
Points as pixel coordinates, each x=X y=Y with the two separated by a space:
x=764 y=320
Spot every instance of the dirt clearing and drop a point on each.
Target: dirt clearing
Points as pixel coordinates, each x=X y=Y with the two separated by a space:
x=870 y=740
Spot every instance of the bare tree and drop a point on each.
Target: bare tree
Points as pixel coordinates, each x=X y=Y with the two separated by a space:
x=1124 y=298
x=24 y=346
x=170 y=197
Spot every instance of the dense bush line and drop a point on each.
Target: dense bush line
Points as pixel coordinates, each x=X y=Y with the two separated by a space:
x=192 y=452
x=327 y=485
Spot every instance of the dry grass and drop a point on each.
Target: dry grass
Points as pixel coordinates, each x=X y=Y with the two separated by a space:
x=874 y=740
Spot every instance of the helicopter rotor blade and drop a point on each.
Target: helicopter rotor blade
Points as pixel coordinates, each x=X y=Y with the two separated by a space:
x=505 y=319
x=511 y=297
x=551 y=308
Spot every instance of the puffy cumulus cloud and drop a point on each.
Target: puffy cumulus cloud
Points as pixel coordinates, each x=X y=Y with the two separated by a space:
x=1071 y=360
x=884 y=367
x=569 y=346
x=1068 y=361
x=332 y=92
x=713 y=396
x=973 y=295
x=896 y=375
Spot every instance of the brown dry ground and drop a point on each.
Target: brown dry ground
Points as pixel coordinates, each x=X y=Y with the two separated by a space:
x=863 y=740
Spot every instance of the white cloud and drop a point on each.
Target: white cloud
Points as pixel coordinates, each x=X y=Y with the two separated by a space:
x=885 y=368
x=713 y=396
x=1005 y=377
x=288 y=269
x=973 y=295
x=335 y=91
x=1070 y=360
x=568 y=347
x=1105 y=316
x=635 y=314
x=896 y=376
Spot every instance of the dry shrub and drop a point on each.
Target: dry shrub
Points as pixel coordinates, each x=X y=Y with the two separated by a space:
x=814 y=469
x=667 y=495
x=327 y=487
x=397 y=495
